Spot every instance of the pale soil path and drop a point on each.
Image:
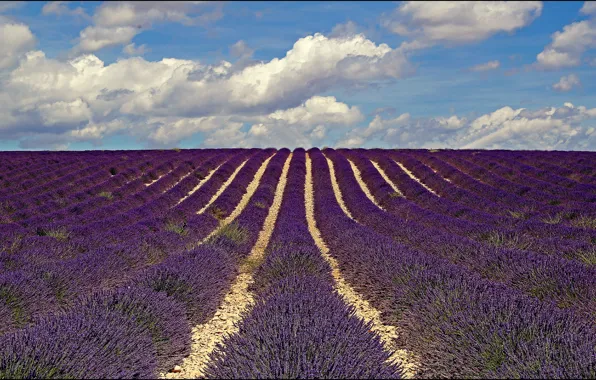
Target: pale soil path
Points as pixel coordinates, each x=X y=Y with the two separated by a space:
x=363 y=186
x=250 y=190
x=434 y=171
x=199 y=185
x=158 y=178
x=336 y=190
x=238 y=299
x=223 y=187
x=409 y=173
x=364 y=310
x=386 y=178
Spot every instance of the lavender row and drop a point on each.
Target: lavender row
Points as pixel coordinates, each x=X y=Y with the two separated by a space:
x=72 y=200
x=133 y=226
x=161 y=206
x=119 y=257
x=115 y=258
x=528 y=193
x=577 y=166
x=456 y=323
x=542 y=179
x=536 y=227
x=18 y=203
x=195 y=280
x=222 y=207
x=516 y=206
x=19 y=177
x=61 y=226
x=441 y=213
x=300 y=327
x=61 y=176
x=136 y=194
x=38 y=187
x=153 y=310
x=156 y=308
x=218 y=179
x=551 y=279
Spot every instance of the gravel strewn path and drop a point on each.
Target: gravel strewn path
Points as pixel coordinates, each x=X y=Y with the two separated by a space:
x=384 y=175
x=336 y=190
x=364 y=309
x=238 y=300
x=250 y=190
x=363 y=186
x=198 y=186
x=409 y=173
x=223 y=187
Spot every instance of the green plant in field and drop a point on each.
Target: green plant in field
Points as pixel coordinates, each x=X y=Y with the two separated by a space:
x=217 y=213
x=395 y=194
x=588 y=256
x=106 y=194
x=15 y=244
x=10 y=299
x=58 y=234
x=260 y=204
x=250 y=264
x=234 y=232
x=494 y=354
x=176 y=149
x=522 y=213
x=180 y=229
x=584 y=221
x=459 y=213
x=499 y=239
x=556 y=219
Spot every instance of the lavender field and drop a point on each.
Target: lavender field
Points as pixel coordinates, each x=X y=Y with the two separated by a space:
x=265 y=263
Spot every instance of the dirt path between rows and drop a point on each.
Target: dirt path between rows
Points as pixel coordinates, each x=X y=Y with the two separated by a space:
x=386 y=178
x=364 y=310
x=223 y=187
x=409 y=173
x=363 y=185
x=199 y=185
x=336 y=190
x=238 y=299
x=250 y=190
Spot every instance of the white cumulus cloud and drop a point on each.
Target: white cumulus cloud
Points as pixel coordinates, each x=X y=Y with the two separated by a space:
x=61 y=8
x=566 y=83
x=589 y=8
x=565 y=128
x=568 y=46
x=315 y=64
x=491 y=65
x=16 y=39
x=118 y=22
x=459 y=22
x=132 y=49
x=46 y=102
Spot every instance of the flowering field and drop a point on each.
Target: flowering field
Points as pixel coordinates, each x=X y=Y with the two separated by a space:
x=264 y=263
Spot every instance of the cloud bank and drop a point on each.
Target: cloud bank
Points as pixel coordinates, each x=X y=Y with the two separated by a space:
x=47 y=102
x=564 y=128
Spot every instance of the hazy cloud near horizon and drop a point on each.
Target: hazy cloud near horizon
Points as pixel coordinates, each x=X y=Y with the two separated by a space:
x=325 y=88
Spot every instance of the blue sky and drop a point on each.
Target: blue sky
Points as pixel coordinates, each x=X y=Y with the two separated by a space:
x=486 y=75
